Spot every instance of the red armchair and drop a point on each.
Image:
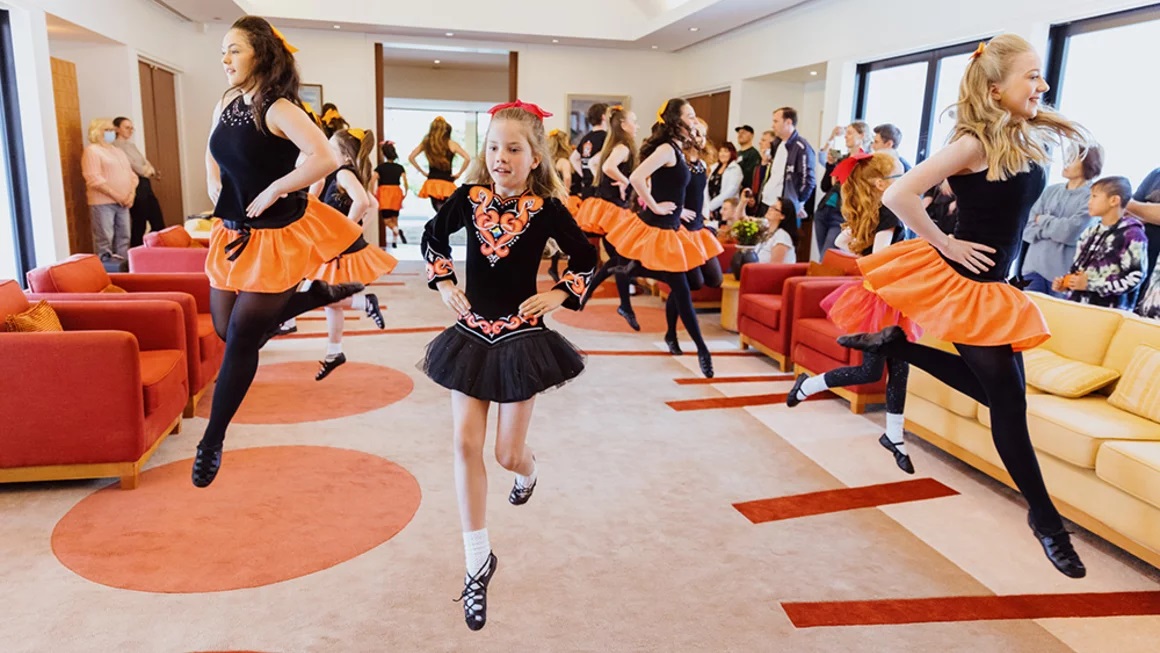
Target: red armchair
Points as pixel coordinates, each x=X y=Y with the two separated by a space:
x=766 y=298
x=814 y=347
x=95 y=400
x=170 y=250
x=82 y=277
x=706 y=297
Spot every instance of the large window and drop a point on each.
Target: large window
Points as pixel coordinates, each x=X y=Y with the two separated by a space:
x=1100 y=76
x=16 y=251
x=913 y=93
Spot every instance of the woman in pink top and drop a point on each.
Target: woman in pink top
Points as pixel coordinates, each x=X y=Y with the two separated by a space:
x=111 y=186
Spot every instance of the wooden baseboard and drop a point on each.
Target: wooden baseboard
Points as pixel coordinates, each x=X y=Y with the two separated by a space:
x=858 y=402
x=1087 y=520
x=128 y=472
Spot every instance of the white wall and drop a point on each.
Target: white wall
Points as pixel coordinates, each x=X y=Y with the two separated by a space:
x=106 y=80
x=427 y=83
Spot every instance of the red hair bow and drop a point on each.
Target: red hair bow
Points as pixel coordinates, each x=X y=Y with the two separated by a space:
x=845 y=168
x=526 y=106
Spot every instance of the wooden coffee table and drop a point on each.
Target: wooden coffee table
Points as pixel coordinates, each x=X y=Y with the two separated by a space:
x=730 y=287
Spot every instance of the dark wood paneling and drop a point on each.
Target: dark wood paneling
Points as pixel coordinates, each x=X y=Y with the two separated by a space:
x=73 y=136
x=159 y=104
x=380 y=94
x=513 y=76
x=713 y=108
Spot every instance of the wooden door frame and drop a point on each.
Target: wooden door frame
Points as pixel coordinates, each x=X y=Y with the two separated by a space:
x=182 y=187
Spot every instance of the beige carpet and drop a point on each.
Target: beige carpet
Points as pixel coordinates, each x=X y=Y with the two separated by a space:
x=631 y=542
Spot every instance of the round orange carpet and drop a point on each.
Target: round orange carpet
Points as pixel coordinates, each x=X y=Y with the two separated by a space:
x=273 y=514
x=603 y=317
x=286 y=393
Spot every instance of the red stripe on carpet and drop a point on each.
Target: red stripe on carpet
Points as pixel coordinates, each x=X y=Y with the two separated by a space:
x=758 y=378
x=851 y=498
x=657 y=352
x=738 y=402
x=971 y=608
x=365 y=332
x=311 y=318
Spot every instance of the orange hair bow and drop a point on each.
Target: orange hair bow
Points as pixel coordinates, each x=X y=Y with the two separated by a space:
x=979 y=50
x=281 y=37
x=331 y=114
x=843 y=170
x=518 y=104
x=357 y=132
x=661 y=113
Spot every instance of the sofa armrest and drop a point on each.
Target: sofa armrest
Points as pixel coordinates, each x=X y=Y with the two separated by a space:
x=184 y=300
x=157 y=324
x=810 y=293
x=194 y=283
x=768 y=278
x=167 y=260
x=65 y=387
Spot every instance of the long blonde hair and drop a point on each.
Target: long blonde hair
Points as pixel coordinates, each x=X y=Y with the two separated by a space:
x=617 y=115
x=558 y=145
x=1011 y=144
x=861 y=198
x=437 y=144
x=543 y=179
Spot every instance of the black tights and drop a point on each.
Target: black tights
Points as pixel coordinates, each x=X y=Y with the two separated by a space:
x=992 y=376
x=871 y=369
x=438 y=204
x=242 y=320
x=622 y=280
x=708 y=275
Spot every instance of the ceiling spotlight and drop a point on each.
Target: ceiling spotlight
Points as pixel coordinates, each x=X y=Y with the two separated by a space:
x=338 y=27
x=555 y=40
x=694 y=29
x=654 y=47
x=450 y=34
x=814 y=73
x=437 y=61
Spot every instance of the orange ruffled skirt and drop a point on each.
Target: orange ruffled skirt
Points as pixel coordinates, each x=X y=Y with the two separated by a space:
x=390 y=198
x=364 y=266
x=597 y=216
x=574 y=203
x=276 y=260
x=707 y=241
x=439 y=189
x=913 y=278
x=661 y=250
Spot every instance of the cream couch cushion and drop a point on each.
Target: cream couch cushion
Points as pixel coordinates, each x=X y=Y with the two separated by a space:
x=1134 y=467
x=1133 y=331
x=1139 y=391
x=1078 y=331
x=1074 y=429
x=1064 y=377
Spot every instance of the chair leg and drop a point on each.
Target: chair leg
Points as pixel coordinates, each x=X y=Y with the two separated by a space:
x=857 y=405
x=176 y=428
x=744 y=343
x=130 y=481
x=190 y=407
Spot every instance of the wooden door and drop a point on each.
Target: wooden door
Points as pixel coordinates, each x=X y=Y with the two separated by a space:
x=72 y=136
x=713 y=108
x=159 y=109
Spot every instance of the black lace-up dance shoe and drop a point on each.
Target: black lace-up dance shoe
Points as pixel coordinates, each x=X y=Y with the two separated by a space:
x=474 y=595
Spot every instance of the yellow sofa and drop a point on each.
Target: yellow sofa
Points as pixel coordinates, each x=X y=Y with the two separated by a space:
x=1101 y=464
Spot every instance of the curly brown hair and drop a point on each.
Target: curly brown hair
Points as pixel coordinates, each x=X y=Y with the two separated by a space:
x=861 y=198
x=275 y=73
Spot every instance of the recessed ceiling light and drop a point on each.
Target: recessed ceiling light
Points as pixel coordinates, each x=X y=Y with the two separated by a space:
x=450 y=33
x=555 y=40
x=813 y=72
x=694 y=29
x=654 y=47
x=437 y=61
x=338 y=27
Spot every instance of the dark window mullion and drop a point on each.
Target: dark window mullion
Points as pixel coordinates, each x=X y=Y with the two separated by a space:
x=927 y=123
x=10 y=131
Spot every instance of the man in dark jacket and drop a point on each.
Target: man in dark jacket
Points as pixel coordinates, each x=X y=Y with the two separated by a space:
x=791 y=172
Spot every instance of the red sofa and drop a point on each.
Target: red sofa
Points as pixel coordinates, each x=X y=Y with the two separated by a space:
x=170 y=250
x=813 y=342
x=706 y=297
x=82 y=277
x=765 y=303
x=95 y=400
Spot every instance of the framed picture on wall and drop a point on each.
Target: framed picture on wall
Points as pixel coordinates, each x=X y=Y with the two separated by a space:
x=578 y=106
x=311 y=94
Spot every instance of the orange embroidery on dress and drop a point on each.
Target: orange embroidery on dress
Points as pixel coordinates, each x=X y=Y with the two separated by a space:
x=494 y=328
x=497 y=226
x=576 y=283
x=439 y=267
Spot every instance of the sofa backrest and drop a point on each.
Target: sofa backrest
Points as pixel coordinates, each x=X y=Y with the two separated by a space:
x=1133 y=331
x=175 y=236
x=12 y=300
x=1080 y=332
x=77 y=273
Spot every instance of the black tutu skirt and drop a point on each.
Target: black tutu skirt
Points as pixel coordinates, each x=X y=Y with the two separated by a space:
x=514 y=369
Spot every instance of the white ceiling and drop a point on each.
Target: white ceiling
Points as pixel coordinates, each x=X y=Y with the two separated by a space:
x=643 y=24
x=449 y=58
x=800 y=75
x=62 y=31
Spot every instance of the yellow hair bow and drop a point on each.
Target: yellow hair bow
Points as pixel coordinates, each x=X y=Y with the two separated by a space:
x=979 y=50
x=357 y=132
x=661 y=113
x=281 y=37
x=553 y=133
x=330 y=114
x=616 y=107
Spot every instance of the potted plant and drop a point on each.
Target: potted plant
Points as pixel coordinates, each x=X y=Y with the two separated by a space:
x=749 y=233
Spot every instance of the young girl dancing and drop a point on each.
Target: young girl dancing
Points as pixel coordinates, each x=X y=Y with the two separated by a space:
x=391 y=185
x=271 y=236
x=347 y=190
x=500 y=350
x=439 y=150
x=869 y=227
x=953 y=286
x=612 y=201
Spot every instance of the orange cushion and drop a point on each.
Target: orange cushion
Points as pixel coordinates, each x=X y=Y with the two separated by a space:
x=113 y=288
x=156 y=366
x=79 y=273
x=820 y=270
x=175 y=236
x=838 y=260
x=38 y=318
x=12 y=299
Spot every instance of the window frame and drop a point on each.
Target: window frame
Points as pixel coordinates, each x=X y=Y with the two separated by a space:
x=1061 y=33
x=12 y=148
x=929 y=114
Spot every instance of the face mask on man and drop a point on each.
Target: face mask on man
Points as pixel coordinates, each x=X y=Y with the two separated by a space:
x=110 y=136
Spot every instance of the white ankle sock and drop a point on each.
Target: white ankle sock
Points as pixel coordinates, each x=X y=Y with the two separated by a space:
x=894 y=425
x=813 y=386
x=333 y=349
x=526 y=482
x=477 y=548
x=292 y=322
x=359 y=302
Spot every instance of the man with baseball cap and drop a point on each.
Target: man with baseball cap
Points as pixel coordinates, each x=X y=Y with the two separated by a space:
x=747 y=156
